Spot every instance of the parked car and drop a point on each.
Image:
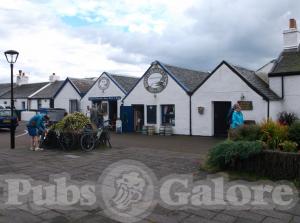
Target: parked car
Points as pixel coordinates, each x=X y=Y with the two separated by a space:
x=5 y=118
x=2 y=106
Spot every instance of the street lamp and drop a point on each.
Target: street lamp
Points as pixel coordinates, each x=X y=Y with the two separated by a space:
x=11 y=57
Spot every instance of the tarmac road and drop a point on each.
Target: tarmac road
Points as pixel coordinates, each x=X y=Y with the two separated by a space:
x=22 y=138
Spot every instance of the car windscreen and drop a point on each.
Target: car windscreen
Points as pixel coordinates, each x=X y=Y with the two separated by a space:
x=5 y=113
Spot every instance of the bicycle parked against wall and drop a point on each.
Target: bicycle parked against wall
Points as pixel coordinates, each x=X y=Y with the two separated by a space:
x=91 y=138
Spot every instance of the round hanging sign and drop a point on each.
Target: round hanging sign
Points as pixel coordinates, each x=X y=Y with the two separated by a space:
x=103 y=83
x=155 y=80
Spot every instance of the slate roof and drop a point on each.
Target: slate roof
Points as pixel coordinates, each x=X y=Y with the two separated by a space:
x=256 y=83
x=25 y=90
x=125 y=82
x=287 y=62
x=4 y=88
x=50 y=91
x=82 y=85
x=190 y=79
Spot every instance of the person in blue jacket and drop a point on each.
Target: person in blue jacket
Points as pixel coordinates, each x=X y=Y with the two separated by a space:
x=237 y=118
x=35 y=127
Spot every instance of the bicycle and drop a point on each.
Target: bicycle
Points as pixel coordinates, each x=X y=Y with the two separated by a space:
x=52 y=139
x=91 y=139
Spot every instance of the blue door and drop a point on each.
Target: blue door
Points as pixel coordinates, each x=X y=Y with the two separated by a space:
x=127 y=118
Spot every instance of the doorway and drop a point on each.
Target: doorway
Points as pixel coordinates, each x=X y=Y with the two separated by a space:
x=113 y=112
x=138 y=117
x=221 y=111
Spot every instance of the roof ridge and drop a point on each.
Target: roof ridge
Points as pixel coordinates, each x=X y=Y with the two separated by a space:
x=184 y=68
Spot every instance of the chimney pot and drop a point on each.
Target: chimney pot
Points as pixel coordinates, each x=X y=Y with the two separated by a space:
x=293 y=24
x=20 y=72
x=53 y=74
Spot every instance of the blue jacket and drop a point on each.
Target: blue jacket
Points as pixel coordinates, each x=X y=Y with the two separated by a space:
x=237 y=119
x=38 y=122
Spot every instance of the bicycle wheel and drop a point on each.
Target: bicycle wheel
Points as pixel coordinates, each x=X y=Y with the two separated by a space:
x=66 y=140
x=87 y=142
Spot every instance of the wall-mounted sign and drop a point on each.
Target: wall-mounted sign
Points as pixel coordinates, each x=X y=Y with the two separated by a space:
x=103 y=83
x=246 y=105
x=104 y=98
x=155 y=80
x=201 y=110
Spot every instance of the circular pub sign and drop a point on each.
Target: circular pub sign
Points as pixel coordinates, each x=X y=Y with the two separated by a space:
x=103 y=83
x=155 y=80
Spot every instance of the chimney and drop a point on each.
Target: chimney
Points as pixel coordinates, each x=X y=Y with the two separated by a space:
x=21 y=78
x=291 y=37
x=53 y=78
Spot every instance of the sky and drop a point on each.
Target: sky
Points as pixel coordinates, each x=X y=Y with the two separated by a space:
x=83 y=38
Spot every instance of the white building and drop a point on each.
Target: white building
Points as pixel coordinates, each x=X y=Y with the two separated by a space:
x=107 y=93
x=284 y=77
x=161 y=97
x=71 y=92
x=22 y=90
x=226 y=85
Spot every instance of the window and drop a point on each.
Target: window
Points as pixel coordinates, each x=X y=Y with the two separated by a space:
x=104 y=108
x=39 y=105
x=168 y=114
x=73 y=106
x=151 y=114
x=23 y=105
x=51 y=103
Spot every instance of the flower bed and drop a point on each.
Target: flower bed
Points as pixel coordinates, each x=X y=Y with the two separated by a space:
x=270 y=149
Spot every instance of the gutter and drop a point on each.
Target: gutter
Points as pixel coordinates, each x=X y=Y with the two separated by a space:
x=190 y=105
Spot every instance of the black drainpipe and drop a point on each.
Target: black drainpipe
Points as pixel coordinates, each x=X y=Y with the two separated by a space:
x=282 y=87
x=190 y=97
x=268 y=112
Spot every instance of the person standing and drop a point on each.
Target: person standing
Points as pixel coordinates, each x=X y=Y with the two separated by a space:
x=88 y=112
x=35 y=127
x=237 y=118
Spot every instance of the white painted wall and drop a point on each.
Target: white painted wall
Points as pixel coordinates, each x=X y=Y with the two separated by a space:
x=67 y=93
x=33 y=104
x=172 y=94
x=223 y=85
x=18 y=103
x=290 y=102
x=275 y=85
x=111 y=91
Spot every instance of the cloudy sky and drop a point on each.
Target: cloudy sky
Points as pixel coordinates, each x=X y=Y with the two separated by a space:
x=83 y=38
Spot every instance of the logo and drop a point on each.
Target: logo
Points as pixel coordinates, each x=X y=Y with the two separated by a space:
x=156 y=80
x=103 y=83
x=127 y=191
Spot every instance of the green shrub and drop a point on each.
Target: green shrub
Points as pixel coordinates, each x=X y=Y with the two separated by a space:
x=72 y=122
x=246 y=133
x=294 y=132
x=287 y=118
x=288 y=146
x=226 y=152
x=273 y=133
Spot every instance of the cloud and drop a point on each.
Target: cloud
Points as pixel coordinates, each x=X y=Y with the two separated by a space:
x=84 y=38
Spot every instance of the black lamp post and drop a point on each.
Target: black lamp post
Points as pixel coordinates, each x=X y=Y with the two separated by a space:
x=11 y=57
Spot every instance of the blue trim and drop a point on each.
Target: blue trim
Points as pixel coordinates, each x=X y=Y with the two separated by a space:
x=111 y=78
x=238 y=74
x=115 y=82
x=169 y=73
x=62 y=86
x=172 y=75
x=104 y=98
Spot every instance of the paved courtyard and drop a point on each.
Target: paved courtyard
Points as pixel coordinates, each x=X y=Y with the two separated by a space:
x=162 y=155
